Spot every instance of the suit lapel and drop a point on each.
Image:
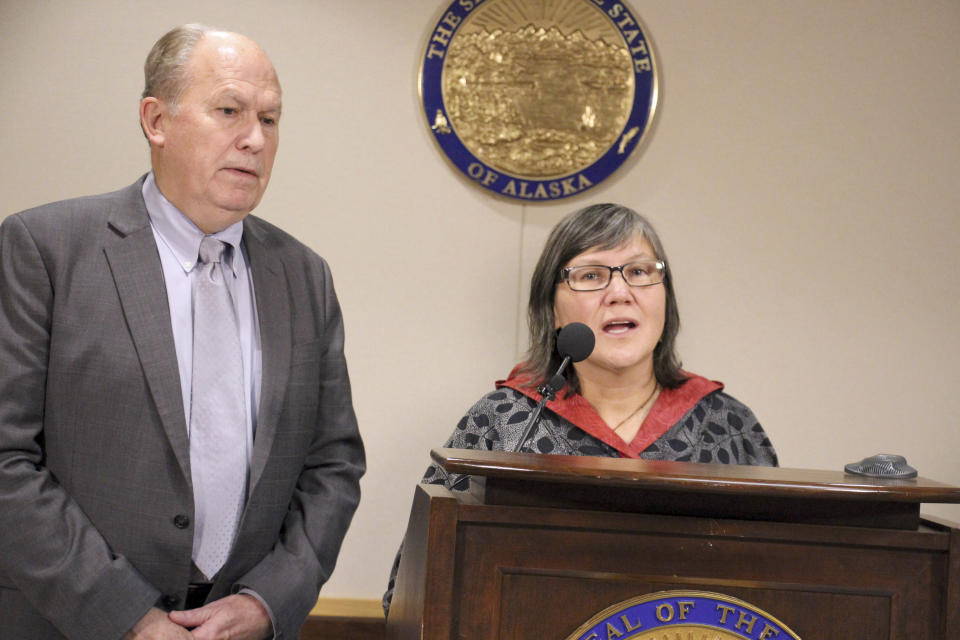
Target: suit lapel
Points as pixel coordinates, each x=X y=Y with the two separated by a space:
x=273 y=312
x=138 y=276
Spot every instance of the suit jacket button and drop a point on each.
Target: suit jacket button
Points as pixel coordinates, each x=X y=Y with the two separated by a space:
x=181 y=521
x=169 y=602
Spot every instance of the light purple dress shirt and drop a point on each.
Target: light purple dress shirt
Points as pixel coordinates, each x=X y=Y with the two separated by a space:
x=178 y=242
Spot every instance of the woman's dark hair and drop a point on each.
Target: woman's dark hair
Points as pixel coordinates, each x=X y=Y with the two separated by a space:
x=599 y=226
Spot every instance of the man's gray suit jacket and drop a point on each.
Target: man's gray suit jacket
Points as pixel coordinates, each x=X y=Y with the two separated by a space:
x=96 y=507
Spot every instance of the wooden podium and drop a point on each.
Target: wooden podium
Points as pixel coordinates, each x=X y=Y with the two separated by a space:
x=540 y=544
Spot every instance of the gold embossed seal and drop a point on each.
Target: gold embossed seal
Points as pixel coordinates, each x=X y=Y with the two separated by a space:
x=685 y=615
x=535 y=99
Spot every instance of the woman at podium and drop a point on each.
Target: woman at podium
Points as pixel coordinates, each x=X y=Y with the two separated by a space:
x=604 y=266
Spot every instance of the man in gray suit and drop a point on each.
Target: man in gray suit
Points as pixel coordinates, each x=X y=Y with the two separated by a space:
x=134 y=501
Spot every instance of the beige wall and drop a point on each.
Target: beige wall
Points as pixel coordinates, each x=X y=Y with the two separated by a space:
x=803 y=174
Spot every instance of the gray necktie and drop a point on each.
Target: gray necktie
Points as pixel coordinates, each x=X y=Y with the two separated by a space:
x=218 y=458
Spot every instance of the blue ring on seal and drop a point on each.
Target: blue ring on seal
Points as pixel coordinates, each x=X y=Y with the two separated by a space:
x=667 y=609
x=525 y=188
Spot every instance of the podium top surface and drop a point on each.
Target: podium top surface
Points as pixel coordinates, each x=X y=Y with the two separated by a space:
x=691 y=476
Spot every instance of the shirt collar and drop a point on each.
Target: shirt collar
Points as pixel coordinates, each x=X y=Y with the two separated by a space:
x=670 y=407
x=180 y=234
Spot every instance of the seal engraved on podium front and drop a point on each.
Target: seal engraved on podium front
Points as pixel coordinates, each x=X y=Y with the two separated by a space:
x=538 y=100
x=684 y=615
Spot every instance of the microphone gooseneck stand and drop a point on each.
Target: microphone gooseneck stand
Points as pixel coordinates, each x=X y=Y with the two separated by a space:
x=547 y=391
x=575 y=342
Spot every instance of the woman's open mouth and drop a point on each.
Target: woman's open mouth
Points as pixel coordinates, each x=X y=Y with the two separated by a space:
x=617 y=327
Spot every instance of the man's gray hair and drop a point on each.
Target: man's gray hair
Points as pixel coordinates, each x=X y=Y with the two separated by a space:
x=165 y=71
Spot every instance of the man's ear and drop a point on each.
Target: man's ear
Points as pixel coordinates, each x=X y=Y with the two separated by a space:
x=153 y=116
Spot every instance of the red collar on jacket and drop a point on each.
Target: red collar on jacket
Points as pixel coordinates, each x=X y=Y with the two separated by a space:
x=671 y=405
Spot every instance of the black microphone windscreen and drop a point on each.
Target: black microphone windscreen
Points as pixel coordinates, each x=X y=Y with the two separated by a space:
x=576 y=340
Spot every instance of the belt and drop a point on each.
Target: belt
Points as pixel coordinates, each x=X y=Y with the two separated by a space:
x=197 y=593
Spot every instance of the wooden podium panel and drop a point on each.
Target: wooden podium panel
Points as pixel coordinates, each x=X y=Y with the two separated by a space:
x=524 y=564
x=546 y=542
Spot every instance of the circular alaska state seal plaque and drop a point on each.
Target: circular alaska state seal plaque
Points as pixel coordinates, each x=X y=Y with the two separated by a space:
x=538 y=100
x=690 y=615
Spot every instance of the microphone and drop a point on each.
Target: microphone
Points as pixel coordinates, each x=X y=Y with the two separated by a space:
x=575 y=342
